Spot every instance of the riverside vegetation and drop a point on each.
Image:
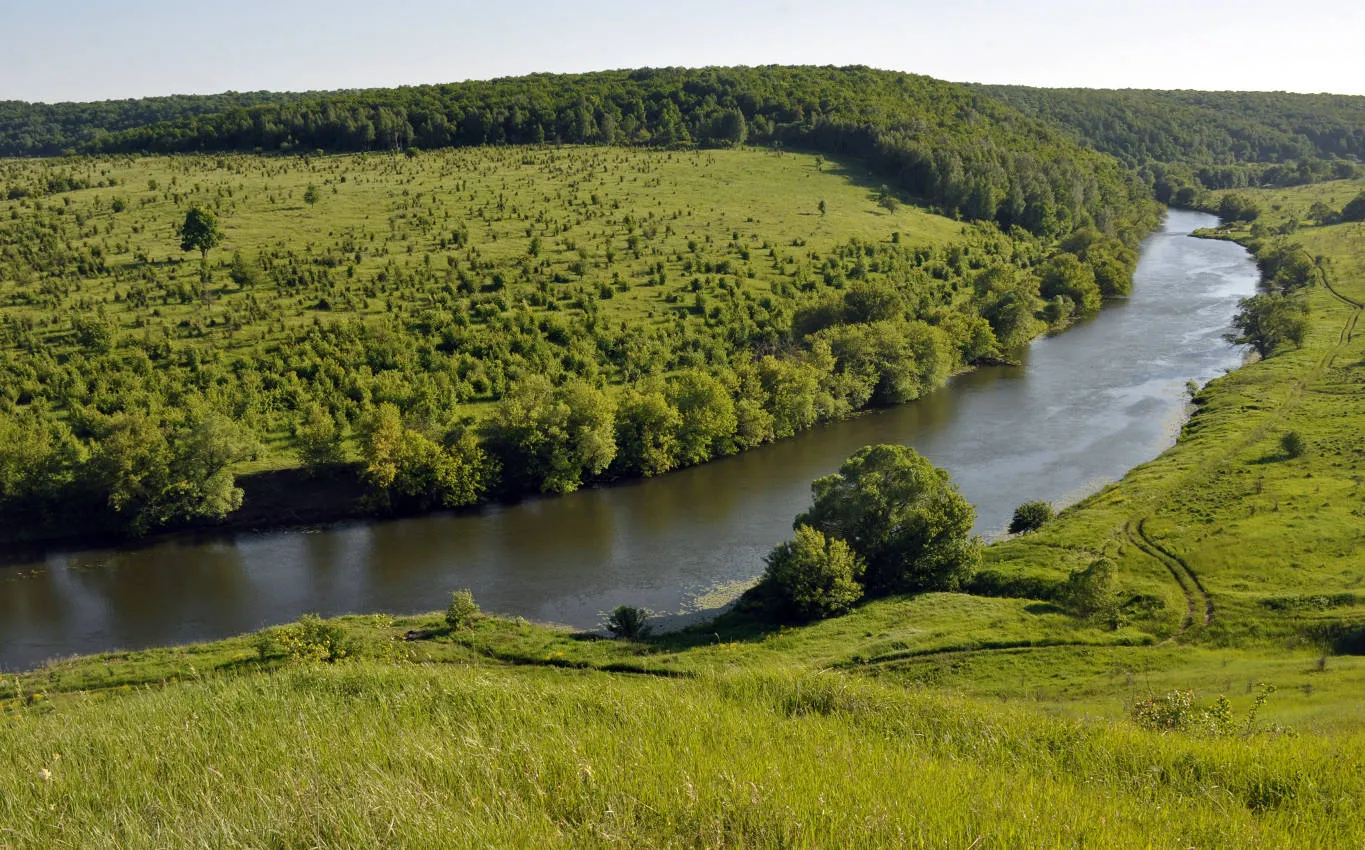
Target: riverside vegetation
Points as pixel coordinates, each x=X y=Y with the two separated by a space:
x=1005 y=717
x=1173 y=661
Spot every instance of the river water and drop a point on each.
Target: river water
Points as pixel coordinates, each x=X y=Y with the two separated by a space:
x=1085 y=407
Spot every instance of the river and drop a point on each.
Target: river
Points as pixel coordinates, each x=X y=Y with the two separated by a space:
x=1084 y=407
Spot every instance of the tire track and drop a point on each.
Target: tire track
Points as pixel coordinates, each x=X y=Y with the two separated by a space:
x=1198 y=603
x=1199 y=607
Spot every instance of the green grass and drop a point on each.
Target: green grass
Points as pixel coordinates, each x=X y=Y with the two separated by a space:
x=945 y=720
x=368 y=755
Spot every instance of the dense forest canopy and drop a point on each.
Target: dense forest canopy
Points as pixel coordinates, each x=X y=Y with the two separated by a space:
x=53 y=129
x=1222 y=140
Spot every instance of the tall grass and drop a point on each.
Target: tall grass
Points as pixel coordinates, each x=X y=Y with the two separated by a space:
x=375 y=755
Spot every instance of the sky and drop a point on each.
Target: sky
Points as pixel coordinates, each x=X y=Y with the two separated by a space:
x=58 y=50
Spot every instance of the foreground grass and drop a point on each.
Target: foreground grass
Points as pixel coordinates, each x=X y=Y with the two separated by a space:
x=940 y=721
x=369 y=755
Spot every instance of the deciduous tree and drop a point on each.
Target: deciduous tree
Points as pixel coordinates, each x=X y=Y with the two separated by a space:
x=200 y=232
x=902 y=515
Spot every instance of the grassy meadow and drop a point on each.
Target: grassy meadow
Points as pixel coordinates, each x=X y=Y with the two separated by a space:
x=943 y=720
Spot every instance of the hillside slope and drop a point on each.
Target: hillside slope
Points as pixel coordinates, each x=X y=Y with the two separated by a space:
x=1221 y=139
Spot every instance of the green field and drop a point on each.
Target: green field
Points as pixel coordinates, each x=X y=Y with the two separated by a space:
x=943 y=720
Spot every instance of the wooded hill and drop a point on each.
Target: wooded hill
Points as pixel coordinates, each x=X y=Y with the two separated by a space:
x=962 y=152
x=413 y=306
x=1223 y=139
x=56 y=129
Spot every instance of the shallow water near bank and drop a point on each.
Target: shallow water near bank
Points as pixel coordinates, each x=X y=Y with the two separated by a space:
x=1083 y=407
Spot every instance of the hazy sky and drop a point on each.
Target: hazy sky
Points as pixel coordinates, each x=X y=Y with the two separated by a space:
x=54 y=50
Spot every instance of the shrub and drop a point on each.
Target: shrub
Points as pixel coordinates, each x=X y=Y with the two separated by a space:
x=1354 y=209
x=814 y=576
x=1177 y=711
x=463 y=611
x=1030 y=516
x=264 y=643
x=1293 y=444
x=628 y=622
x=1090 y=592
x=1238 y=208
x=315 y=639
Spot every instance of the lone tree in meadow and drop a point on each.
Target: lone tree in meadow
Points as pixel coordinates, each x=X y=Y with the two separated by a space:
x=200 y=232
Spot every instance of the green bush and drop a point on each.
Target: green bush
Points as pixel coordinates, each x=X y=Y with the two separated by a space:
x=315 y=639
x=628 y=622
x=1293 y=444
x=1090 y=592
x=463 y=611
x=1354 y=209
x=814 y=576
x=1177 y=711
x=1030 y=516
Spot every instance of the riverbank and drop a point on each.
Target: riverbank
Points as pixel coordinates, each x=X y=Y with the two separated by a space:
x=293 y=497
x=1183 y=527
x=1089 y=404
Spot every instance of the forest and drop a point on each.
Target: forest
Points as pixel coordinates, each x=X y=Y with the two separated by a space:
x=61 y=129
x=1197 y=141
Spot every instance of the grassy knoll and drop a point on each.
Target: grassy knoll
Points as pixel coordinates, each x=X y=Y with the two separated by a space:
x=472 y=756
x=945 y=720
x=362 y=754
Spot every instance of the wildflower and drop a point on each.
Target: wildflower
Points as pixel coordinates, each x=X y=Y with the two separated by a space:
x=45 y=775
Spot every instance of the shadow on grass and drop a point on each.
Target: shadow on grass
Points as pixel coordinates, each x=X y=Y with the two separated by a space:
x=739 y=624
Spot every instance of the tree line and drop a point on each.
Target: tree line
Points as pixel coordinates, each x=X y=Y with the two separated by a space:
x=1186 y=142
x=961 y=152
x=1201 y=128
x=62 y=129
